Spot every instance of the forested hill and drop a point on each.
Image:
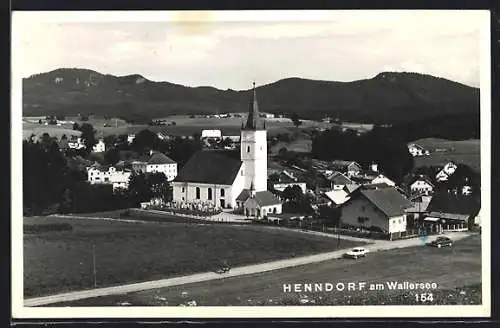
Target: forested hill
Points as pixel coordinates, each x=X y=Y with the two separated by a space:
x=388 y=98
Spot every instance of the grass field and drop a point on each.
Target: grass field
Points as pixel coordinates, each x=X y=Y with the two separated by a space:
x=442 y=151
x=456 y=271
x=125 y=252
x=184 y=126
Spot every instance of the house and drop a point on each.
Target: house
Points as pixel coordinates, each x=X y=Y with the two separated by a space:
x=218 y=178
x=99 y=147
x=340 y=196
x=383 y=179
x=267 y=115
x=381 y=209
x=163 y=136
x=130 y=138
x=259 y=204
x=349 y=168
x=97 y=174
x=217 y=134
x=288 y=179
x=417 y=150
x=339 y=180
x=76 y=143
x=447 y=170
x=234 y=139
x=416 y=213
x=422 y=184
x=450 y=212
x=156 y=163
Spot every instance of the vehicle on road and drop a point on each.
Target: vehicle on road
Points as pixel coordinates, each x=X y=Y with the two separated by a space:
x=356 y=252
x=441 y=242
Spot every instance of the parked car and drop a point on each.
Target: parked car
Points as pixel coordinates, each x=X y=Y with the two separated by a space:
x=441 y=242
x=356 y=253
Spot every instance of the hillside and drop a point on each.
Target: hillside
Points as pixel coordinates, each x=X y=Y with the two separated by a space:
x=388 y=98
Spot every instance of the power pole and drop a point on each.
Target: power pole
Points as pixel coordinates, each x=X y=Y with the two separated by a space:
x=94 y=266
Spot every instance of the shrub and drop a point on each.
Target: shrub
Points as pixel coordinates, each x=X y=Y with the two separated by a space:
x=52 y=227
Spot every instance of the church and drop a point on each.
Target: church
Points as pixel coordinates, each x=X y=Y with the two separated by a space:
x=218 y=178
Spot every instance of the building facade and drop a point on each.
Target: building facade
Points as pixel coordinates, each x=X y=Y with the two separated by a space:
x=110 y=175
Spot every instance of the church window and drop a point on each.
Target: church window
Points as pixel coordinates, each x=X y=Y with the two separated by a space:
x=197 y=192
x=248 y=149
x=209 y=193
x=183 y=190
x=222 y=192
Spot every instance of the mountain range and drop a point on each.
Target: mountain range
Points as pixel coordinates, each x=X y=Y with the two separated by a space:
x=387 y=98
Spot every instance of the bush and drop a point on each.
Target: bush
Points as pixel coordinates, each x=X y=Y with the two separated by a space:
x=125 y=214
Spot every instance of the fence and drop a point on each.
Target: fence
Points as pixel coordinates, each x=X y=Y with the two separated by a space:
x=162 y=216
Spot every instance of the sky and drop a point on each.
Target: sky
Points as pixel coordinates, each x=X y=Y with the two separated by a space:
x=233 y=49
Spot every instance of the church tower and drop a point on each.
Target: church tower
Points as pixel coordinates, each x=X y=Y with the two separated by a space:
x=254 y=148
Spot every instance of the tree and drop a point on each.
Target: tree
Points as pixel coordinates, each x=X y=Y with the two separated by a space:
x=110 y=140
x=159 y=186
x=296 y=120
x=61 y=117
x=88 y=136
x=112 y=156
x=39 y=121
x=145 y=140
x=76 y=126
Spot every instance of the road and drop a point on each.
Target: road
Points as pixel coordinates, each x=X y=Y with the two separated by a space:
x=211 y=276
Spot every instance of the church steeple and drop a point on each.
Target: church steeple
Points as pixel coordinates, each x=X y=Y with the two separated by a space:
x=254 y=121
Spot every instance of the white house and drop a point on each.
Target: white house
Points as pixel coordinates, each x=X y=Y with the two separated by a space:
x=260 y=204
x=108 y=175
x=381 y=209
x=99 y=147
x=287 y=179
x=383 y=179
x=417 y=150
x=76 y=143
x=339 y=180
x=340 y=196
x=211 y=134
x=422 y=185
x=349 y=168
x=448 y=169
x=157 y=163
x=216 y=177
x=130 y=138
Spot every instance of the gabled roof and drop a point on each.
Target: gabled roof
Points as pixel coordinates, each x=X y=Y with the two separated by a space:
x=388 y=200
x=422 y=178
x=342 y=165
x=337 y=196
x=339 y=178
x=263 y=198
x=160 y=158
x=351 y=187
x=206 y=166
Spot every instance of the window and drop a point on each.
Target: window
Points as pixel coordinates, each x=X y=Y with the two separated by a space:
x=248 y=149
x=222 y=192
x=209 y=193
x=183 y=189
x=197 y=192
x=399 y=221
x=106 y=179
x=363 y=208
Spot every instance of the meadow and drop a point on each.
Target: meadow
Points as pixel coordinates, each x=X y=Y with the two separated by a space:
x=442 y=151
x=127 y=252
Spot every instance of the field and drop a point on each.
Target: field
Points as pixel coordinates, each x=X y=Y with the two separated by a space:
x=442 y=151
x=456 y=271
x=184 y=126
x=59 y=261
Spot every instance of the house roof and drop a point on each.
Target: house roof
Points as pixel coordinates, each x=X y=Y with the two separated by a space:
x=205 y=166
x=263 y=198
x=388 y=200
x=455 y=204
x=160 y=158
x=418 y=207
x=351 y=187
x=423 y=178
x=339 y=178
x=342 y=165
x=337 y=196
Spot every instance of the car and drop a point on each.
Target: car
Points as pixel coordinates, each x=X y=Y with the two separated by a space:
x=356 y=253
x=441 y=242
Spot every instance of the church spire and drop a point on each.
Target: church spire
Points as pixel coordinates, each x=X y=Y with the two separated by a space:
x=254 y=121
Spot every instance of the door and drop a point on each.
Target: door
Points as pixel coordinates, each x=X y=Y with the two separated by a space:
x=222 y=203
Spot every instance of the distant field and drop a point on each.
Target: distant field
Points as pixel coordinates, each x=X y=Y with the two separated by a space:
x=126 y=252
x=442 y=151
x=184 y=126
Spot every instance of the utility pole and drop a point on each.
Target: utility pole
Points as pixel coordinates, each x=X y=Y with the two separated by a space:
x=94 y=266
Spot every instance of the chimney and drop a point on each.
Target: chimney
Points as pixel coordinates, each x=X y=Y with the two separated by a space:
x=374 y=167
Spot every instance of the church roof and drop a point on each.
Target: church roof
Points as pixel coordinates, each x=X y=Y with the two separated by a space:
x=263 y=198
x=160 y=158
x=254 y=121
x=213 y=167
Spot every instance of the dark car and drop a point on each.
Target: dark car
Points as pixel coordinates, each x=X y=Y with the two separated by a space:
x=441 y=242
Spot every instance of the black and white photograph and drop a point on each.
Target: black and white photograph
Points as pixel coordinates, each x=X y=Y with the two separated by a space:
x=259 y=164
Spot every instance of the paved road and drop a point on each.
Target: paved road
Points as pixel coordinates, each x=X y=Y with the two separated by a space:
x=239 y=271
